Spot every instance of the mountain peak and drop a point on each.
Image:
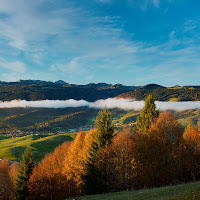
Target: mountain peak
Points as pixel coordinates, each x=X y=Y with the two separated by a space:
x=60 y=82
x=153 y=86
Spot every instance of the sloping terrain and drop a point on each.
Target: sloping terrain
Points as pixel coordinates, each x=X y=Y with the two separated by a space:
x=190 y=191
x=160 y=93
x=31 y=90
x=44 y=119
x=12 y=148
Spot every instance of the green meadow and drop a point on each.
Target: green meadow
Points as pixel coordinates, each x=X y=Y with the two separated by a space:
x=12 y=148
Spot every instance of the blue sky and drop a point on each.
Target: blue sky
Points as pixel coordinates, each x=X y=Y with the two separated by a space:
x=133 y=42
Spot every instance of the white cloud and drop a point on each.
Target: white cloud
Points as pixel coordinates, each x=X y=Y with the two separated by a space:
x=16 y=66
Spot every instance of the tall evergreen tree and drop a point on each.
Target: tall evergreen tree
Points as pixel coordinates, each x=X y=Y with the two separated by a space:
x=105 y=129
x=102 y=138
x=26 y=166
x=147 y=114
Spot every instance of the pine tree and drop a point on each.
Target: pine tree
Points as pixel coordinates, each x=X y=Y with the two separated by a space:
x=147 y=114
x=104 y=128
x=102 y=138
x=26 y=166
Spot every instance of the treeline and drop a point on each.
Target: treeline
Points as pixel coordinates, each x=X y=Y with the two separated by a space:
x=157 y=152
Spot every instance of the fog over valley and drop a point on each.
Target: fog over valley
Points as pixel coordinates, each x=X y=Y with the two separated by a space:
x=126 y=104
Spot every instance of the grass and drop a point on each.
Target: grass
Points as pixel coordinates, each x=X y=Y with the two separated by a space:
x=12 y=148
x=190 y=191
x=130 y=116
x=3 y=137
x=174 y=99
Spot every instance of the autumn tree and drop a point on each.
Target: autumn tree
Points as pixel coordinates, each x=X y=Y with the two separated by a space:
x=119 y=157
x=6 y=186
x=147 y=114
x=13 y=172
x=47 y=180
x=93 y=180
x=25 y=170
x=191 y=155
x=157 y=159
x=168 y=127
x=74 y=167
x=192 y=137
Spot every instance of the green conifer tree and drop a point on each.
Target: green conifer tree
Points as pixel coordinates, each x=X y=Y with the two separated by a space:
x=105 y=128
x=147 y=114
x=93 y=180
x=26 y=166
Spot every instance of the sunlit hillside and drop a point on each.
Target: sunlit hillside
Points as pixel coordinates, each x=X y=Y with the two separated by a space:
x=12 y=148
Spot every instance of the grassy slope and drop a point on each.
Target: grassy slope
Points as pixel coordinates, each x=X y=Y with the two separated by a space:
x=126 y=117
x=14 y=147
x=189 y=191
x=184 y=117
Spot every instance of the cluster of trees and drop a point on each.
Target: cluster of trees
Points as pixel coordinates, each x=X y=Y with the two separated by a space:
x=157 y=152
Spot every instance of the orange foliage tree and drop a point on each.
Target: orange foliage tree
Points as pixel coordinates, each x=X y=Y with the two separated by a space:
x=74 y=165
x=119 y=157
x=13 y=172
x=157 y=159
x=191 y=154
x=47 y=180
x=6 y=185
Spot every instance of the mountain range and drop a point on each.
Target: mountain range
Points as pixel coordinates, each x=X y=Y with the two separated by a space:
x=32 y=90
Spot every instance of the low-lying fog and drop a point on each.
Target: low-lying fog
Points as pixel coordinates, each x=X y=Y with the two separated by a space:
x=126 y=104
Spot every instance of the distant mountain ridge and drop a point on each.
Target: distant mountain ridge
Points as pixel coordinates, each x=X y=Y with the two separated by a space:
x=161 y=93
x=59 y=90
x=32 y=90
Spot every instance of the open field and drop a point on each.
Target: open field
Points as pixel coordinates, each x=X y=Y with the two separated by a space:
x=190 y=191
x=13 y=148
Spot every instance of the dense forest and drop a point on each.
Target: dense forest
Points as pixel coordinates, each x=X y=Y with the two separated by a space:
x=156 y=152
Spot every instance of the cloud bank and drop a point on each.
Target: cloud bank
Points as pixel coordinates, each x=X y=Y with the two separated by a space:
x=126 y=104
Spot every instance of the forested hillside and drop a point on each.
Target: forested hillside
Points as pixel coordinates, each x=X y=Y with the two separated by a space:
x=31 y=90
x=160 y=93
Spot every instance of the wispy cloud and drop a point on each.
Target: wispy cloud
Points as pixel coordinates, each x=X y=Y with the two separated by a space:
x=156 y=3
x=15 y=66
x=144 y=4
x=68 y=38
